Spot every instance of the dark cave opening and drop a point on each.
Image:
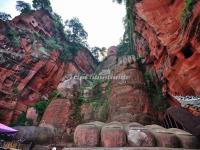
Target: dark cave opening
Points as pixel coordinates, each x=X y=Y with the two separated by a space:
x=187 y=51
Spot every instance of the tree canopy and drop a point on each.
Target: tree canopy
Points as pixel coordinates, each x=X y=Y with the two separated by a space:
x=96 y=52
x=118 y=1
x=42 y=4
x=23 y=7
x=72 y=31
x=75 y=31
x=126 y=44
x=4 y=16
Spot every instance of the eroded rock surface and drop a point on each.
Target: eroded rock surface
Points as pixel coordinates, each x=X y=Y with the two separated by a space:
x=36 y=135
x=114 y=134
x=29 y=70
x=128 y=100
x=57 y=114
x=186 y=139
x=88 y=135
x=171 y=50
x=165 y=138
x=140 y=137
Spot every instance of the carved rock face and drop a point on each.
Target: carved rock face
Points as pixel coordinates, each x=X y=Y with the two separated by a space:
x=87 y=135
x=57 y=114
x=165 y=138
x=113 y=135
x=28 y=70
x=112 y=51
x=140 y=137
x=173 y=50
x=128 y=100
x=187 y=140
x=32 y=114
x=84 y=61
x=86 y=112
x=69 y=87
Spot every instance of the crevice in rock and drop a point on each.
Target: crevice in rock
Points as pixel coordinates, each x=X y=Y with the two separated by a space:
x=187 y=51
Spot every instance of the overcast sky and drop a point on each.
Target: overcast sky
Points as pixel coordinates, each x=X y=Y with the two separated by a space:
x=102 y=19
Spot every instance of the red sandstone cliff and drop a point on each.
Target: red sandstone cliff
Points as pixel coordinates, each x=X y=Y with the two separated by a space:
x=171 y=51
x=28 y=70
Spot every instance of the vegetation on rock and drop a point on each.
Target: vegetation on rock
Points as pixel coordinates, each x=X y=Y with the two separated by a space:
x=42 y=4
x=23 y=7
x=96 y=51
x=52 y=44
x=155 y=93
x=42 y=105
x=40 y=108
x=97 y=101
x=75 y=31
x=187 y=12
x=4 y=16
x=22 y=121
x=68 y=38
x=13 y=36
x=126 y=45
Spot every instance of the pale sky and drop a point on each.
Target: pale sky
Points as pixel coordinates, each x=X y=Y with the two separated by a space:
x=102 y=19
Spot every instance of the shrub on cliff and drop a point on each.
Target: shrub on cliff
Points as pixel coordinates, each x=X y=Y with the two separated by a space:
x=42 y=4
x=58 y=24
x=75 y=31
x=97 y=52
x=52 y=44
x=4 y=16
x=66 y=42
x=14 y=37
x=22 y=121
x=118 y=1
x=187 y=12
x=126 y=45
x=42 y=105
x=66 y=53
x=124 y=48
x=155 y=93
x=23 y=7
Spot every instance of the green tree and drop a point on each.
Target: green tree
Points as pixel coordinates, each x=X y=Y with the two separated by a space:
x=52 y=44
x=97 y=52
x=58 y=23
x=118 y=1
x=75 y=31
x=23 y=7
x=128 y=22
x=187 y=12
x=124 y=47
x=42 y=4
x=102 y=51
x=40 y=107
x=4 y=16
x=13 y=36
